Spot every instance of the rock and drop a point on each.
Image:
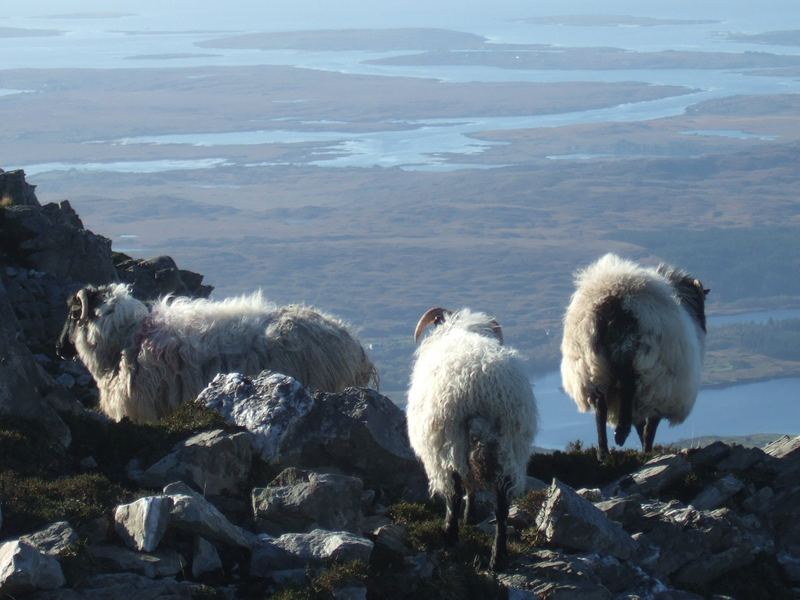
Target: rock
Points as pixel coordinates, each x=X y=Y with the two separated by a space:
x=130 y=586
x=708 y=455
x=14 y=190
x=393 y=539
x=791 y=566
x=24 y=569
x=115 y=559
x=320 y=545
x=213 y=461
x=717 y=493
x=520 y=518
x=568 y=520
x=52 y=239
x=741 y=459
x=142 y=524
x=298 y=500
x=712 y=566
x=625 y=510
x=24 y=382
x=193 y=513
x=265 y=406
x=53 y=540
x=590 y=494
x=267 y=557
x=551 y=574
x=156 y=277
x=784 y=447
x=358 y=431
x=205 y=558
x=761 y=502
x=654 y=476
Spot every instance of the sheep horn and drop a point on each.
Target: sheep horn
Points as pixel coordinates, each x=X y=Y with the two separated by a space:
x=433 y=315
x=83 y=297
x=498 y=331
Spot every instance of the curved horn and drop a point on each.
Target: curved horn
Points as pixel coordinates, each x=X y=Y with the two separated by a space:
x=83 y=296
x=498 y=331
x=433 y=315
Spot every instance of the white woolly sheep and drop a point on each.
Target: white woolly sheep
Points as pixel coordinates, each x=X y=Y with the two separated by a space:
x=633 y=346
x=148 y=360
x=471 y=416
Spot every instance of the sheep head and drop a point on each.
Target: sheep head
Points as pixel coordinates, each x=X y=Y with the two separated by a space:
x=80 y=309
x=438 y=315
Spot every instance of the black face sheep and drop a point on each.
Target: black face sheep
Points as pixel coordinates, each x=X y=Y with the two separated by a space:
x=148 y=360
x=633 y=346
x=471 y=416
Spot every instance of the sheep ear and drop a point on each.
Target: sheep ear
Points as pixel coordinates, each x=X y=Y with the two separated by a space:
x=432 y=315
x=706 y=292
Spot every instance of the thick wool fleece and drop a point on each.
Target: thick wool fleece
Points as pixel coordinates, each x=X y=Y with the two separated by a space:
x=669 y=343
x=463 y=374
x=146 y=363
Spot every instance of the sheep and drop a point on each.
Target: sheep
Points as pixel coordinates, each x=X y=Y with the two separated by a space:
x=471 y=416
x=148 y=360
x=633 y=346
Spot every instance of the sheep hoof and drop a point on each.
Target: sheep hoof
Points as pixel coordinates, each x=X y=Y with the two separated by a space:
x=602 y=454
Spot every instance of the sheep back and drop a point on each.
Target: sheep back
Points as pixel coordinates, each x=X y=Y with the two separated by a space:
x=463 y=381
x=666 y=345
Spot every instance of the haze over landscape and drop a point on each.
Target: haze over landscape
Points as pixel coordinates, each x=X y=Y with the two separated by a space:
x=377 y=160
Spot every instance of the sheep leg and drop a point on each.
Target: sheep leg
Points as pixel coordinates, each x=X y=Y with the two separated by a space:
x=601 y=418
x=499 y=558
x=453 y=502
x=626 y=394
x=469 y=509
x=650 y=433
x=640 y=432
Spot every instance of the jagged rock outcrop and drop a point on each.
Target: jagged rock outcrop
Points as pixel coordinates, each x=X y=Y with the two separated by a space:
x=358 y=431
x=298 y=500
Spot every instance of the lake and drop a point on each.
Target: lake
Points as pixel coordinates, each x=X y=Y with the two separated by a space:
x=164 y=36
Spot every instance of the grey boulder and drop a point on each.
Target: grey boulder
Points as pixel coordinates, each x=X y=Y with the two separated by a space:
x=298 y=500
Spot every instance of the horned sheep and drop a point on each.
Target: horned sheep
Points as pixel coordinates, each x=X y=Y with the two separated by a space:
x=633 y=345
x=471 y=416
x=147 y=360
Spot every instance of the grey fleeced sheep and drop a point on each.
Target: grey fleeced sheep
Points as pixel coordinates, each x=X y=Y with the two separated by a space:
x=148 y=360
x=633 y=346
x=471 y=416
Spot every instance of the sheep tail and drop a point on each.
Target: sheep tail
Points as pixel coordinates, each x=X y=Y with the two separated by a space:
x=617 y=338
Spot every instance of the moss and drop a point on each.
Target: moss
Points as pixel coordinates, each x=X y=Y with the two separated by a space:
x=338 y=576
x=114 y=444
x=422 y=522
x=579 y=467
x=26 y=450
x=31 y=502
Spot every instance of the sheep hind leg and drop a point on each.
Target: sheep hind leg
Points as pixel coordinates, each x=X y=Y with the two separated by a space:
x=640 y=432
x=626 y=399
x=499 y=559
x=601 y=419
x=650 y=433
x=453 y=502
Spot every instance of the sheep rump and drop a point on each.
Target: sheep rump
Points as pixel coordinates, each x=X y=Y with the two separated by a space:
x=471 y=417
x=147 y=362
x=460 y=375
x=626 y=317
